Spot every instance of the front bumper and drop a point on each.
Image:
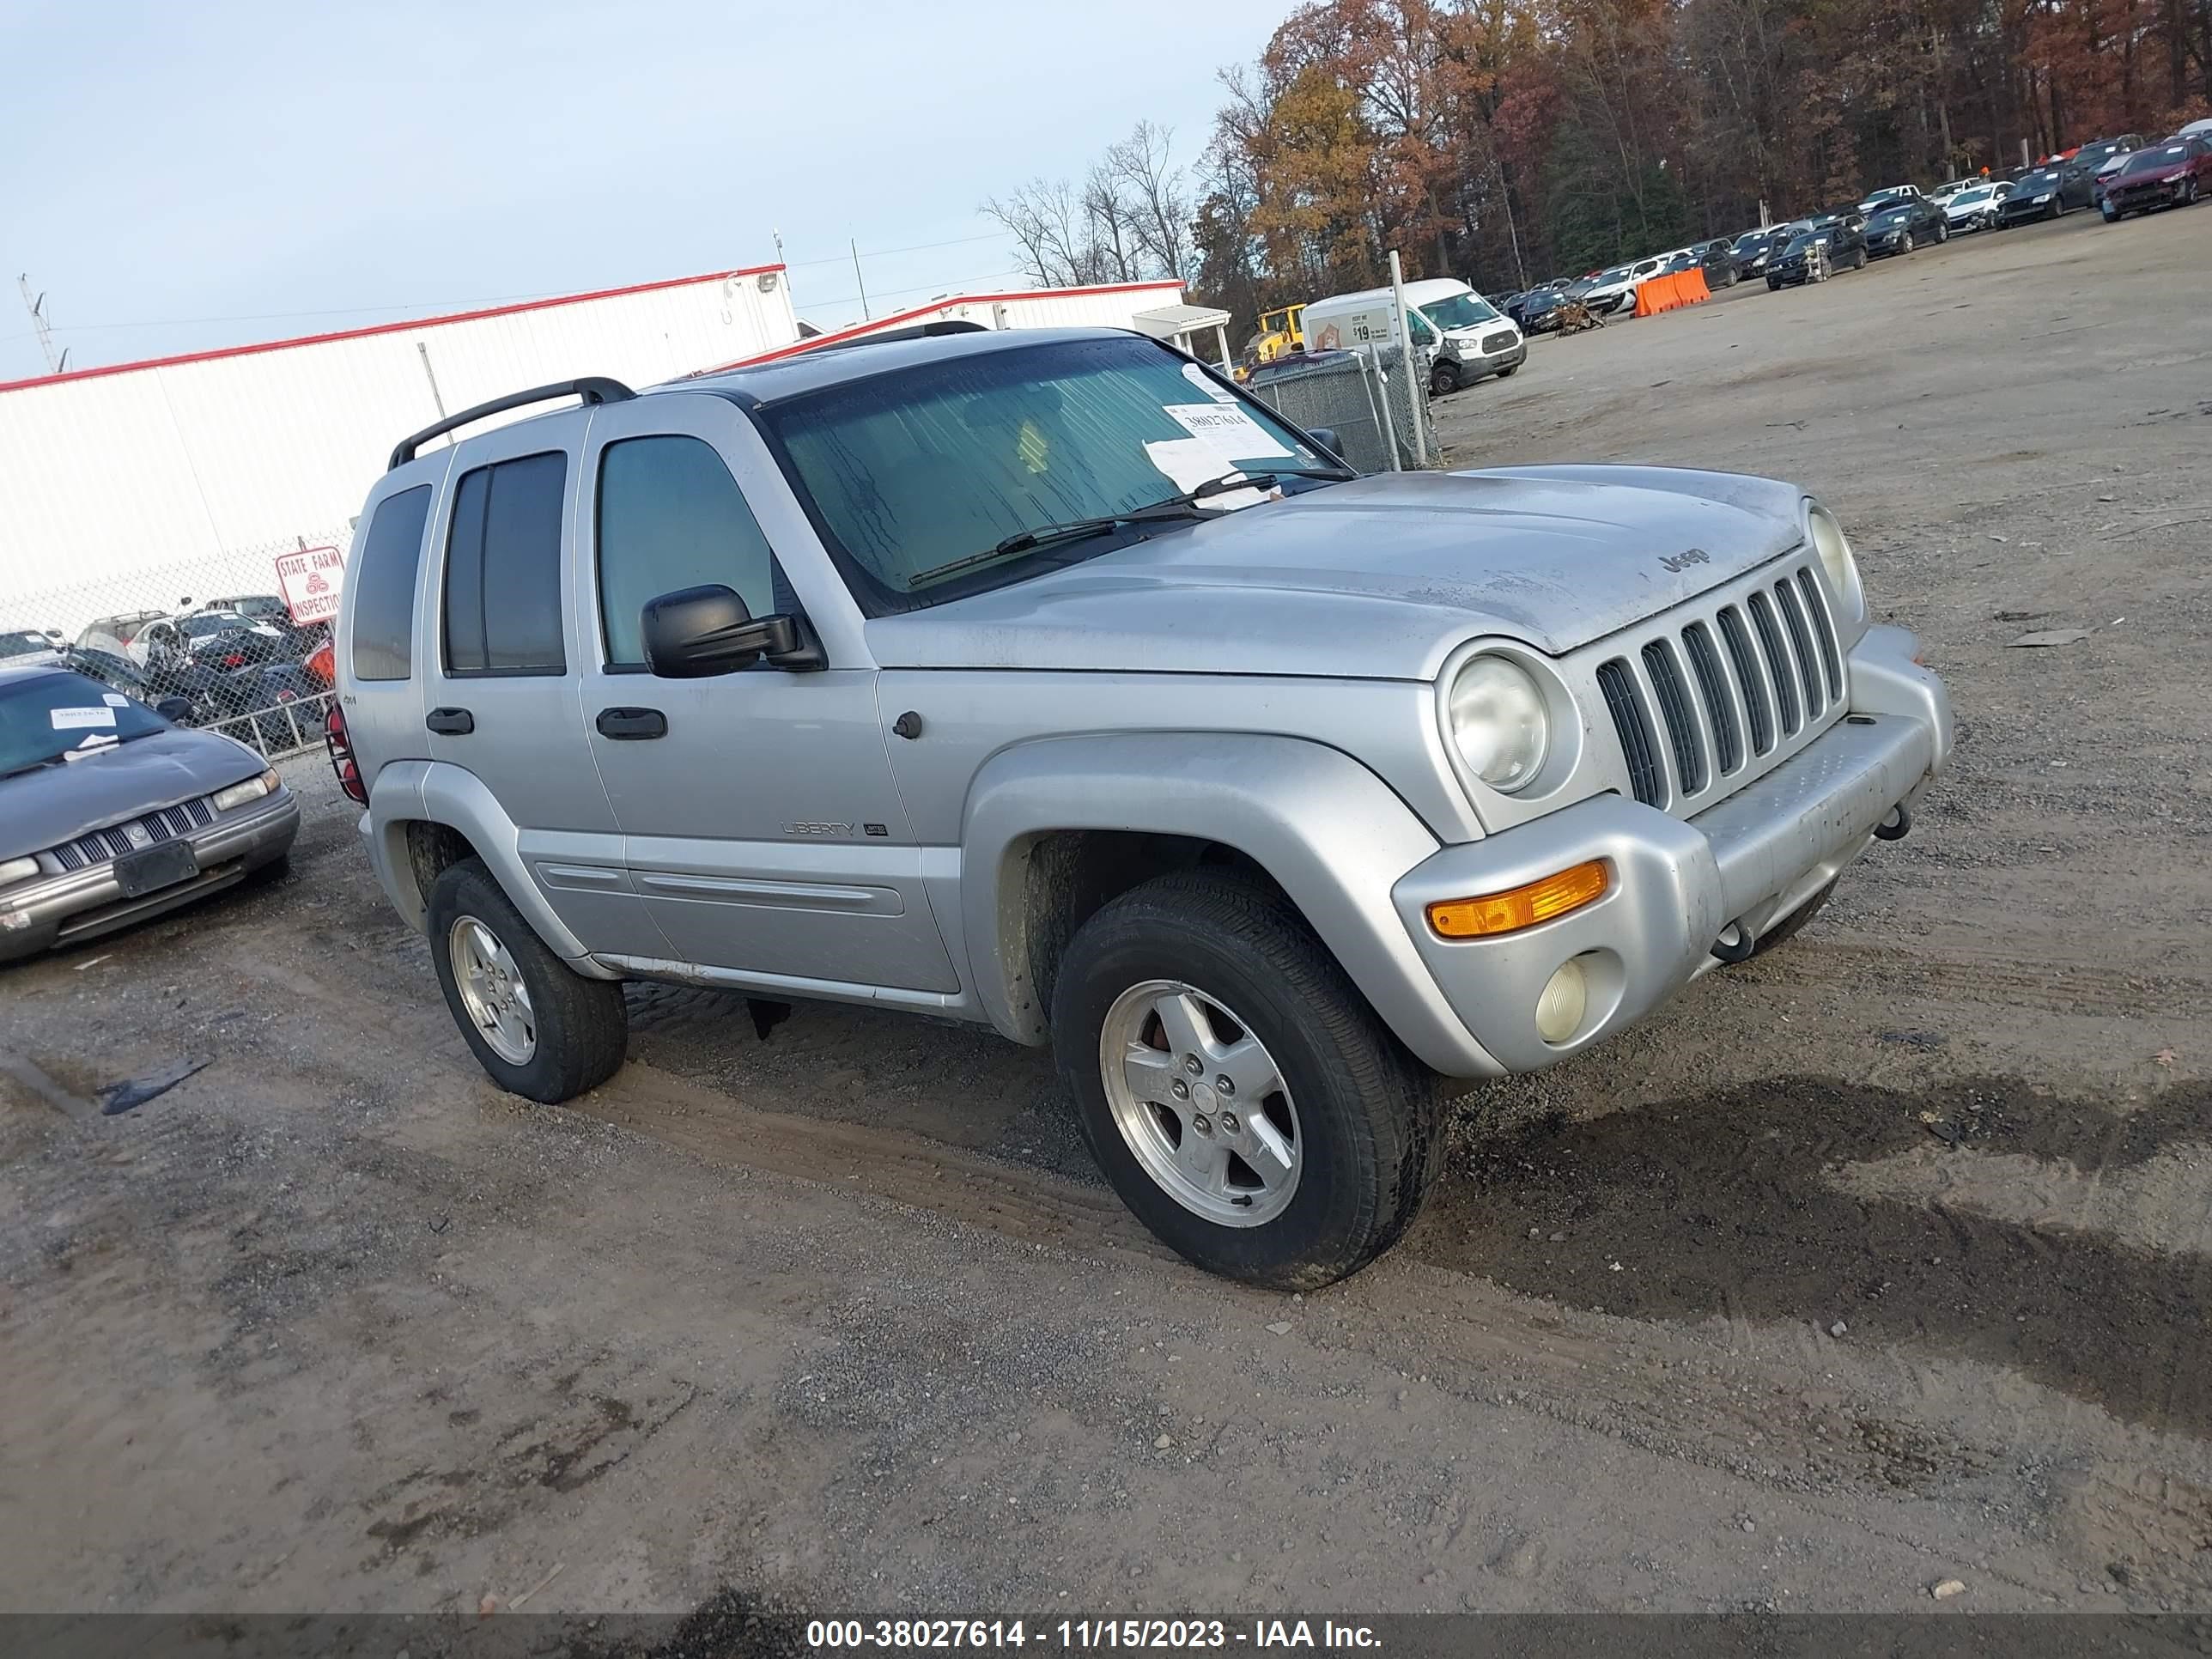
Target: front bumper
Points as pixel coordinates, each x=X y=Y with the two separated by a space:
x=83 y=904
x=1678 y=886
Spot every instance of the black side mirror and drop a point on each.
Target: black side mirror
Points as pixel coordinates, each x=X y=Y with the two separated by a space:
x=1326 y=437
x=178 y=711
x=698 y=632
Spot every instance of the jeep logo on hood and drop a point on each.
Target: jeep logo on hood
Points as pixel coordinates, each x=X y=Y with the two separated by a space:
x=1681 y=561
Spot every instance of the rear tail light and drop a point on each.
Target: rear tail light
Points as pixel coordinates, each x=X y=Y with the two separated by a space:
x=341 y=754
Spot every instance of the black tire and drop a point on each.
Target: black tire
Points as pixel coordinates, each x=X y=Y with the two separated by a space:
x=1942 y=232
x=2188 y=192
x=1443 y=379
x=1905 y=242
x=1860 y=262
x=1794 y=923
x=582 y=1027
x=1370 y=1117
x=1773 y=287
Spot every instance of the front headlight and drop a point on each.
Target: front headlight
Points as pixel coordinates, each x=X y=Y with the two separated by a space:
x=1836 y=558
x=1499 y=723
x=16 y=870
x=239 y=794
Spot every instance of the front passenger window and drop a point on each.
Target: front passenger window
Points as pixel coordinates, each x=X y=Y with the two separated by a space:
x=671 y=516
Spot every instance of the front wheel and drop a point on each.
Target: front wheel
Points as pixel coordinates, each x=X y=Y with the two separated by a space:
x=1234 y=1085
x=1443 y=379
x=1943 y=233
x=2189 y=193
x=540 y=1028
x=1905 y=242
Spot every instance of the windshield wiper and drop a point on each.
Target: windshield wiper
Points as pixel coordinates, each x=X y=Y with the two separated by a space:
x=34 y=766
x=1184 y=506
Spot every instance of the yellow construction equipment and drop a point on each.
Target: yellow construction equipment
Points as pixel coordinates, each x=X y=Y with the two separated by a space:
x=1281 y=332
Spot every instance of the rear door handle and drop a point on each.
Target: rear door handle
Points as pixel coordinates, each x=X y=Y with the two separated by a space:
x=450 y=722
x=631 y=725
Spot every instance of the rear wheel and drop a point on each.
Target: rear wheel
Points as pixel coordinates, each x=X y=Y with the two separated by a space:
x=1234 y=1085
x=540 y=1028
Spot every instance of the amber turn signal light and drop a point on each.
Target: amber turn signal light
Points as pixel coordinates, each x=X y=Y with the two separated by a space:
x=1520 y=907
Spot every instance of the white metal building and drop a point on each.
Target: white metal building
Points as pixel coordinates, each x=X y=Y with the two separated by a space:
x=198 y=469
x=137 y=486
x=1111 y=305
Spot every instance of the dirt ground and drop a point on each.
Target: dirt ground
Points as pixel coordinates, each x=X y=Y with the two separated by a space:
x=1881 y=1261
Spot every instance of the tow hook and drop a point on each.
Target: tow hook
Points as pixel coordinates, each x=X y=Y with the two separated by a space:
x=1735 y=943
x=1897 y=826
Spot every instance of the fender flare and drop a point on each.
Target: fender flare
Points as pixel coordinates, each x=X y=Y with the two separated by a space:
x=434 y=792
x=1330 y=833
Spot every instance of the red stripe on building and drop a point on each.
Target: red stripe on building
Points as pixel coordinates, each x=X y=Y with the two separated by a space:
x=384 y=328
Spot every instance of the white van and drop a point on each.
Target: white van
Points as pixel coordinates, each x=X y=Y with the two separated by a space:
x=1463 y=333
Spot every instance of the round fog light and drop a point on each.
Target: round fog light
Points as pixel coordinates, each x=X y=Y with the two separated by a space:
x=1560 y=1005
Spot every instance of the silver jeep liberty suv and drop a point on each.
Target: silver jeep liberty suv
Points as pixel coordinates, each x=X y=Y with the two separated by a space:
x=1043 y=679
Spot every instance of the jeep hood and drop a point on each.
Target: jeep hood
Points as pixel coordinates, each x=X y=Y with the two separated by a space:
x=1377 y=578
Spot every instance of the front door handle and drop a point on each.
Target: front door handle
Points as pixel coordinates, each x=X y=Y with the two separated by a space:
x=632 y=725
x=450 y=722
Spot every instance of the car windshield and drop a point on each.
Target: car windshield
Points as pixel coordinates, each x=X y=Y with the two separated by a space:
x=2150 y=161
x=44 y=718
x=23 y=643
x=1459 y=311
x=1543 y=299
x=2036 y=181
x=200 y=627
x=1619 y=273
x=1751 y=241
x=920 y=468
x=1978 y=193
x=1889 y=218
x=1808 y=240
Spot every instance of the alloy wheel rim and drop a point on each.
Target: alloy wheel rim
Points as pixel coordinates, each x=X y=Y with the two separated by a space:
x=493 y=994
x=1201 y=1104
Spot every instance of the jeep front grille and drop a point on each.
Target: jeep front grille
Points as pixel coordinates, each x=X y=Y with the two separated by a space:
x=102 y=845
x=1765 y=673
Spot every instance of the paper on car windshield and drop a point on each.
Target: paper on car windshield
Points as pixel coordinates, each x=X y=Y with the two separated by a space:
x=1232 y=433
x=1190 y=462
x=78 y=720
x=1206 y=383
x=115 y=700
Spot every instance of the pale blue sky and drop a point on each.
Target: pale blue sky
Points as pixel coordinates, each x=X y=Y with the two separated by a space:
x=167 y=165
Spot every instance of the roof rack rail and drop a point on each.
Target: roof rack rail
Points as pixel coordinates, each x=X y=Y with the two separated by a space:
x=593 y=389
x=928 y=331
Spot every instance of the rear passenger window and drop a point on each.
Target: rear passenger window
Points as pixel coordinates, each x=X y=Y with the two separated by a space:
x=386 y=564
x=503 y=569
x=671 y=516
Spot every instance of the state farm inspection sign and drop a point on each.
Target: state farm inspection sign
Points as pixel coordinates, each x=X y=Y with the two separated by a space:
x=310 y=581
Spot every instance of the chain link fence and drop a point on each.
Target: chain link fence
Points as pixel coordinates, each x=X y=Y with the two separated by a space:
x=1379 y=412
x=213 y=642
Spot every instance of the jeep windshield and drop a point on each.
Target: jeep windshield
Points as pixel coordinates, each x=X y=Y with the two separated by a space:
x=45 y=718
x=912 y=474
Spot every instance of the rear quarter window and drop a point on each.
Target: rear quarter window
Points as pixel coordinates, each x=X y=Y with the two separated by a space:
x=502 y=600
x=385 y=570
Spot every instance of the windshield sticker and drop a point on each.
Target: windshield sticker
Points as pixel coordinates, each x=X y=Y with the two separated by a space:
x=78 y=720
x=1227 y=427
x=1206 y=383
x=115 y=700
x=1189 y=462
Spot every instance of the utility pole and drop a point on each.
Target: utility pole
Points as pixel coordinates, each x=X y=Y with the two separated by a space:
x=855 y=244
x=36 y=307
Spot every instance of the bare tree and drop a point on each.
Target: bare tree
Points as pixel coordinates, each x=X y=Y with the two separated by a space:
x=1111 y=224
x=1049 y=222
x=1143 y=165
